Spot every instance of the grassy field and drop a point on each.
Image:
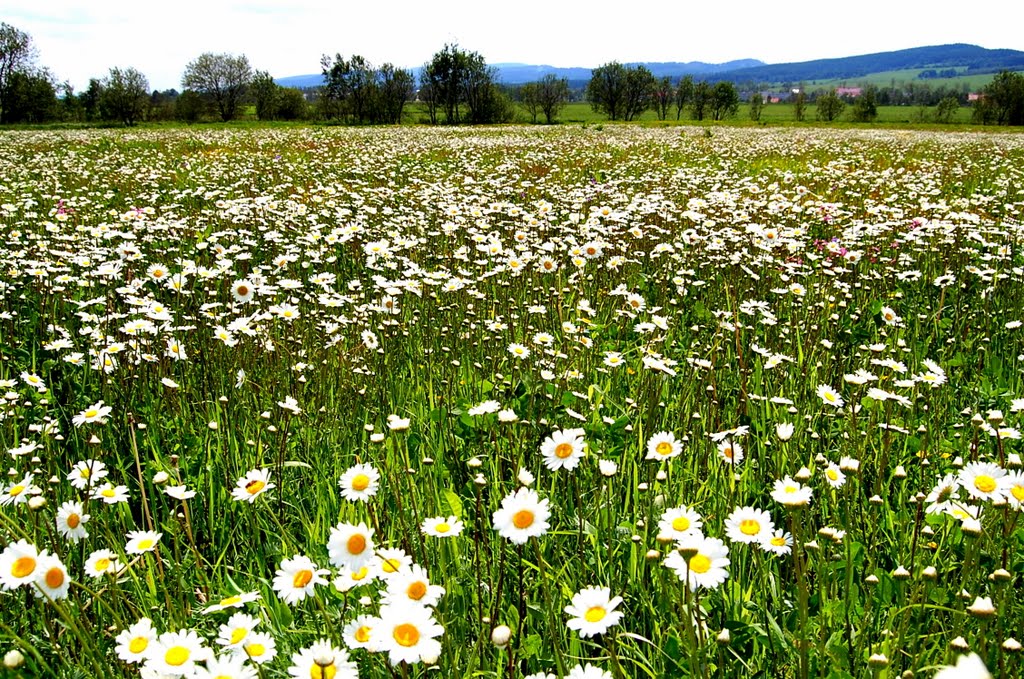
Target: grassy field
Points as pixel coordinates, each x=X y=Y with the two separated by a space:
x=591 y=402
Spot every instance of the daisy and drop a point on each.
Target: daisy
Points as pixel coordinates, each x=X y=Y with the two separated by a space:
x=252 y=485
x=348 y=580
x=679 y=522
x=834 y=475
x=259 y=647
x=110 y=494
x=518 y=350
x=175 y=654
x=102 y=562
x=1012 y=486
x=663 y=446
x=227 y=666
x=133 y=643
x=180 y=492
x=236 y=630
x=52 y=577
x=593 y=611
x=87 y=473
x=982 y=480
x=706 y=568
x=142 y=541
x=829 y=396
x=945 y=493
x=392 y=562
x=730 y=452
x=749 y=525
x=968 y=666
x=587 y=671
x=412 y=588
x=791 y=493
x=406 y=634
x=442 y=527
x=779 y=542
x=322 y=660
x=18 y=564
x=563 y=449
x=18 y=492
x=95 y=414
x=359 y=482
x=233 y=601
x=242 y=291
x=522 y=515
x=296 y=579
x=357 y=633
x=350 y=546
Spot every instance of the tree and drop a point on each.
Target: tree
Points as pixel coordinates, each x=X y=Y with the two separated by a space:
x=724 y=101
x=756 y=104
x=684 y=94
x=32 y=98
x=864 y=108
x=1002 y=100
x=552 y=93
x=265 y=94
x=396 y=87
x=529 y=96
x=291 y=103
x=830 y=106
x=124 y=96
x=606 y=90
x=454 y=81
x=17 y=57
x=662 y=97
x=946 y=109
x=701 y=101
x=640 y=82
x=188 y=107
x=90 y=99
x=223 y=78
x=443 y=77
x=800 y=105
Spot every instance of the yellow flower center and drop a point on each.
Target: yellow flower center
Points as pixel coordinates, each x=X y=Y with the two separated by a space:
x=778 y=541
x=108 y=492
x=416 y=590
x=231 y=601
x=663 y=448
x=563 y=450
x=242 y=290
x=255 y=650
x=362 y=634
x=177 y=656
x=442 y=527
x=85 y=473
x=238 y=635
x=54 y=578
x=145 y=544
x=356 y=544
x=138 y=645
x=984 y=483
x=406 y=634
x=750 y=527
x=254 y=487
x=23 y=567
x=680 y=523
x=700 y=563
x=832 y=474
x=360 y=482
x=522 y=519
x=727 y=452
x=74 y=520
x=830 y=397
x=91 y=412
x=361 y=573
x=790 y=489
x=595 y=614
x=390 y=565
x=16 y=490
x=102 y=564
x=302 y=578
x=323 y=672
x=1018 y=493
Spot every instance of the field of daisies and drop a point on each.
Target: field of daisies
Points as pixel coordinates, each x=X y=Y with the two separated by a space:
x=578 y=402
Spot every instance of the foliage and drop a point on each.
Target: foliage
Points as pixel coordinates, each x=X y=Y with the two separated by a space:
x=946 y=109
x=701 y=103
x=829 y=106
x=17 y=61
x=662 y=97
x=222 y=78
x=620 y=92
x=124 y=96
x=724 y=100
x=865 y=108
x=1002 y=100
x=683 y=94
x=756 y=106
x=800 y=105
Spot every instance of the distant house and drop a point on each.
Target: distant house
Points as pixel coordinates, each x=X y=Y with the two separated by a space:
x=974 y=96
x=849 y=91
x=774 y=97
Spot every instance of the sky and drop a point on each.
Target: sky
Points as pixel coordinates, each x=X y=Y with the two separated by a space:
x=79 y=40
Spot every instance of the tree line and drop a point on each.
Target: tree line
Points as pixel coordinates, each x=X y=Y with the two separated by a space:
x=455 y=86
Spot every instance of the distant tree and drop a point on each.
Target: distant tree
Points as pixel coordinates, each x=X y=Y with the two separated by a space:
x=1002 y=100
x=17 y=57
x=528 y=95
x=291 y=104
x=640 y=82
x=31 y=98
x=864 y=108
x=188 y=107
x=662 y=97
x=161 y=104
x=800 y=105
x=124 y=96
x=265 y=93
x=947 y=109
x=552 y=93
x=756 y=105
x=684 y=94
x=724 y=101
x=443 y=77
x=90 y=99
x=606 y=90
x=396 y=87
x=222 y=78
x=701 y=101
x=829 y=106
x=463 y=87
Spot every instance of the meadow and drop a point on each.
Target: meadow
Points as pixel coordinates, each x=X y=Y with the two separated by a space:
x=588 y=402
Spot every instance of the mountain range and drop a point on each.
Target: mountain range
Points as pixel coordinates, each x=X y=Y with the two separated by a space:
x=963 y=59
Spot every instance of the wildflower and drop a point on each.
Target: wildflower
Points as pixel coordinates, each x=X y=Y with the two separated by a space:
x=588 y=671
x=412 y=587
x=593 y=611
x=350 y=546
x=791 y=493
x=982 y=607
x=779 y=542
x=18 y=564
x=348 y=580
x=982 y=480
x=133 y=643
x=829 y=396
x=296 y=578
x=518 y=350
x=71 y=520
x=442 y=527
x=357 y=633
x=102 y=562
x=393 y=562
x=95 y=414
x=110 y=494
x=967 y=667
x=730 y=452
x=259 y=647
x=396 y=423
x=180 y=492
x=563 y=449
x=227 y=666
x=359 y=483
x=235 y=631
x=252 y=485
x=1012 y=487
x=784 y=430
x=18 y=492
x=175 y=654
x=142 y=541
x=749 y=525
x=233 y=601
x=485 y=408
x=522 y=515
x=834 y=475
x=663 y=446
x=679 y=523
x=52 y=577
x=706 y=567
x=407 y=634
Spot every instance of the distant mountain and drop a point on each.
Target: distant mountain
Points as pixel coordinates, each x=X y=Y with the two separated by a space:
x=970 y=57
x=516 y=74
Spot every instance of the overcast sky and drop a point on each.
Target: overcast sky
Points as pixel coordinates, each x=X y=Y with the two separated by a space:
x=78 y=40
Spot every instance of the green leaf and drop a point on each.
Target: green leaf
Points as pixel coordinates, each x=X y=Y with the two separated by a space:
x=454 y=503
